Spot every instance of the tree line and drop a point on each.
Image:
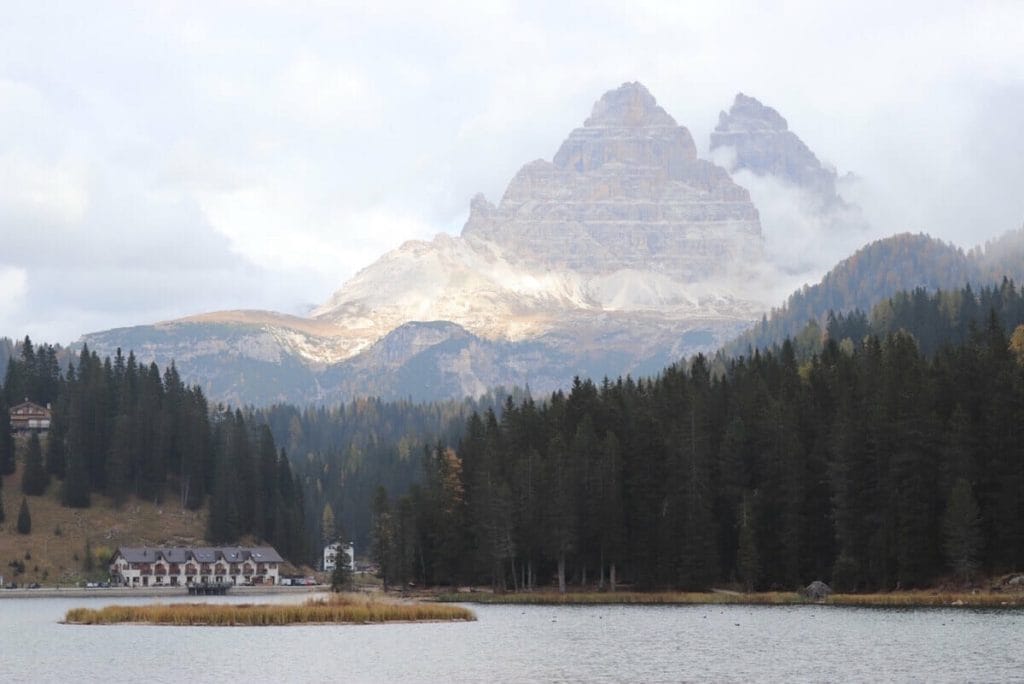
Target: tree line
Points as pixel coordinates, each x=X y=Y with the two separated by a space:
x=123 y=429
x=342 y=453
x=891 y=459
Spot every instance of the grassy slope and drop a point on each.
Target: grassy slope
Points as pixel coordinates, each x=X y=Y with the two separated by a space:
x=59 y=558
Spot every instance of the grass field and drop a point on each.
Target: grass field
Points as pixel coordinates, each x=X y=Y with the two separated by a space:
x=337 y=608
x=54 y=552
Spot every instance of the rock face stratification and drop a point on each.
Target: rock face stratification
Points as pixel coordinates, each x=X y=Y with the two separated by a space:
x=620 y=255
x=764 y=145
x=625 y=191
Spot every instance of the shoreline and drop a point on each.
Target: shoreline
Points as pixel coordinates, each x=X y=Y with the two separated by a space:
x=150 y=592
x=910 y=599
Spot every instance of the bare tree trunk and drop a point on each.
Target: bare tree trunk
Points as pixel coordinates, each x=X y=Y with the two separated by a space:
x=600 y=581
x=561 y=573
x=515 y=575
x=612 y=584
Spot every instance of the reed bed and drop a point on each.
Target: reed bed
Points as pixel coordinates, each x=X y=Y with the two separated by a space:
x=920 y=599
x=332 y=610
x=624 y=598
x=886 y=600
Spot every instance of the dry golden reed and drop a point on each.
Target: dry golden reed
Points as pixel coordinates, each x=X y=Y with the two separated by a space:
x=884 y=600
x=335 y=609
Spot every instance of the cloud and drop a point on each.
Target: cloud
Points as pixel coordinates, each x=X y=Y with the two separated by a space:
x=259 y=158
x=13 y=285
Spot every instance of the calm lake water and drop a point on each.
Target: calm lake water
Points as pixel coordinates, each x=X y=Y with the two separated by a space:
x=526 y=644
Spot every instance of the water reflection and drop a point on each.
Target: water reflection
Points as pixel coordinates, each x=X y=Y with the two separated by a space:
x=523 y=643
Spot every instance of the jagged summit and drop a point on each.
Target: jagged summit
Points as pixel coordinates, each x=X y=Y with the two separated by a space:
x=624 y=191
x=631 y=104
x=764 y=145
x=748 y=114
x=628 y=127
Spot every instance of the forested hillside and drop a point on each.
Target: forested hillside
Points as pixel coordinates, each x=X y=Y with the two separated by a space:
x=125 y=430
x=341 y=454
x=880 y=270
x=873 y=465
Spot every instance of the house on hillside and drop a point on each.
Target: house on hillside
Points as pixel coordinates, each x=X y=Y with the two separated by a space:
x=146 y=566
x=29 y=416
x=332 y=552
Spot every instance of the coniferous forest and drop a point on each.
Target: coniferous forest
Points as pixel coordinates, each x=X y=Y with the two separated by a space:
x=880 y=450
x=122 y=429
x=892 y=459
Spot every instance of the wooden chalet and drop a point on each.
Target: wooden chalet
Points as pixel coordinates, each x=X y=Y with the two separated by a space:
x=29 y=416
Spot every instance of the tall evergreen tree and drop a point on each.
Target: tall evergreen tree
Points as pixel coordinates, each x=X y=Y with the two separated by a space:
x=7 y=462
x=35 y=479
x=382 y=550
x=24 y=518
x=962 y=528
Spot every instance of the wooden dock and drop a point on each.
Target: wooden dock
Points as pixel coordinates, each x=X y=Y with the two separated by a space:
x=208 y=589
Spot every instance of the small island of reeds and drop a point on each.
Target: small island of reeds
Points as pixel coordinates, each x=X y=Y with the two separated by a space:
x=335 y=609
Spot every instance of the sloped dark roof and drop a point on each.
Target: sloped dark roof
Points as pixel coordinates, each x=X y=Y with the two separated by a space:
x=202 y=554
x=266 y=554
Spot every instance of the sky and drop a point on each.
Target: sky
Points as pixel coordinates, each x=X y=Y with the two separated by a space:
x=162 y=159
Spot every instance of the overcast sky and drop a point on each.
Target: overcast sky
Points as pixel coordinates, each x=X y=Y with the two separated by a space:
x=159 y=159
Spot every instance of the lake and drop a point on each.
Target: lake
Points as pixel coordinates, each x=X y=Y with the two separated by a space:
x=525 y=643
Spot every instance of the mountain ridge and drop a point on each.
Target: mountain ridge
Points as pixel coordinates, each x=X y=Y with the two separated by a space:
x=621 y=255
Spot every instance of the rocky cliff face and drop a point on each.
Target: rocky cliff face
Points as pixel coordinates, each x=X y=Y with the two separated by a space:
x=764 y=145
x=625 y=218
x=625 y=191
x=622 y=254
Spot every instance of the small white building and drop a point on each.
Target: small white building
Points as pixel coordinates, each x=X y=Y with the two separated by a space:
x=144 y=566
x=345 y=549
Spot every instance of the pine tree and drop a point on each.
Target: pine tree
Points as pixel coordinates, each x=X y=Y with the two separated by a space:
x=35 y=478
x=383 y=535
x=24 y=518
x=327 y=532
x=7 y=464
x=341 y=578
x=748 y=562
x=56 y=457
x=962 y=528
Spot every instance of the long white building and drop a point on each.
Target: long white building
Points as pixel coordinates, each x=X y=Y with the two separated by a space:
x=146 y=566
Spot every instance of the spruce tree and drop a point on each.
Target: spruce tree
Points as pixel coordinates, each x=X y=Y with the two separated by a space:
x=962 y=528
x=383 y=534
x=6 y=440
x=55 y=454
x=748 y=562
x=24 y=518
x=341 y=578
x=35 y=478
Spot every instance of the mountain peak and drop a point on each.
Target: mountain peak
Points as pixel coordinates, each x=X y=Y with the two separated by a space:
x=630 y=105
x=764 y=145
x=748 y=114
